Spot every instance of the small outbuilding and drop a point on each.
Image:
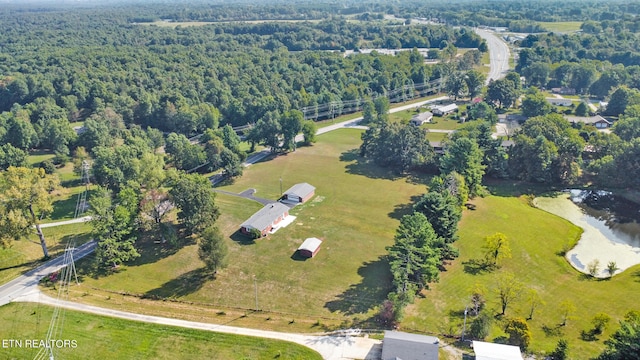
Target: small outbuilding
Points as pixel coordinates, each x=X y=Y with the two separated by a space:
x=310 y=247
x=445 y=109
x=421 y=118
x=265 y=219
x=299 y=193
x=491 y=351
x=406 y=346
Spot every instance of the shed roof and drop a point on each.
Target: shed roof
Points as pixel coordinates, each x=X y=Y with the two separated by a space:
x=406 y=346
x=301 y=190
x=265 y=216
x=310 y=244
x=491 y=351
x=446 y=108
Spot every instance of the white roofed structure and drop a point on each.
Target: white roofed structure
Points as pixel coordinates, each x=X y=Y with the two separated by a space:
x=310 y=247
x=491 y=351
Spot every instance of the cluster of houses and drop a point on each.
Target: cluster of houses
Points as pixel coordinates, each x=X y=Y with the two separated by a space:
x=438 y=110
x=275 y=215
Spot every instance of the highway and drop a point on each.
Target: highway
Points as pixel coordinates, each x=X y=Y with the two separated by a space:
x=499 y=55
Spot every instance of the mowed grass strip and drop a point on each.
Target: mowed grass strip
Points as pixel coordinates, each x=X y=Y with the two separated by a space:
x=99 y=337
x=536 y=239
x=355 y=211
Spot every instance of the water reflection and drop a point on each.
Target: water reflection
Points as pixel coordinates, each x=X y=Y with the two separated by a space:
x=618 y=215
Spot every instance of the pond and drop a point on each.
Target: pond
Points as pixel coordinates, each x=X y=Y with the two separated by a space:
x=611 y=227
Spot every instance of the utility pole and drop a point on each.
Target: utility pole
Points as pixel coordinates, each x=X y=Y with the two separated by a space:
x=464 y=327
x=280 y=186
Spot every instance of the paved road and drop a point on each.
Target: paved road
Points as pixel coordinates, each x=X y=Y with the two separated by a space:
x=28 y=282
x=499 y=55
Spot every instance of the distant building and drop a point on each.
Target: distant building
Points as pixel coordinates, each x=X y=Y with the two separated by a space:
x=310 y=247
x=560 y=101
x=422 y=118
x=598 y=121
x=265 y=219
x=405 y=346
x=491 y=351
x=299 y=193
x=563 y=90
x=445 y=109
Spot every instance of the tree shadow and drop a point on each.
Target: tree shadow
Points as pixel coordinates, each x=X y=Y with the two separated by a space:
x=358 y=165
x=401 y=210
x=636 y=275
x=513 y=188
x=369 y=293
x=589 y=335
x=549 y=331
x=183 y=285
x=241 y=238
x=477 y=266
x=151 y=252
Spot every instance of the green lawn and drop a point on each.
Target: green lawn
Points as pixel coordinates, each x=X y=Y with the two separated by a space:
x=355 y=212
x=36 y=157
x=564 y=26
x=99 y=337
x=536 y=238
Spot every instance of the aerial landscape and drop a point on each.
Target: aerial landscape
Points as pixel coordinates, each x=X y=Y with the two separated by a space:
x=210 y=179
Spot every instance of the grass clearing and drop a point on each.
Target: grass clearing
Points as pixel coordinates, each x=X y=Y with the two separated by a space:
x=561 y=26
x=37 y=156
x=111 y=338
x=355 y=212
x=536 y=238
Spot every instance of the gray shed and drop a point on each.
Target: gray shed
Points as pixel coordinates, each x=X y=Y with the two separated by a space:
x=406 y=346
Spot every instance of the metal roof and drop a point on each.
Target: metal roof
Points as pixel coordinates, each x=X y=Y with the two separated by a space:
x=446 y=108
x=491 y=351
x=406 y=346
x=300 y=190
x=265 y=216
x=310 y=244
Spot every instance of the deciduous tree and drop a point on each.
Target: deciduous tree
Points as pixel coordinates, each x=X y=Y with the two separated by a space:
x=23 y=193
x=195 y=199
x=508 y=289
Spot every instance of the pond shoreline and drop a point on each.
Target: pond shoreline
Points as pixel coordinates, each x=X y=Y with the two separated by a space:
x=598 y=243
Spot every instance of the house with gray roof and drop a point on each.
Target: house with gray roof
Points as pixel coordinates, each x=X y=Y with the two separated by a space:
x=265 y=219
x=299 y=193
x=598 y=121
x=406 y=346
x=421 y=118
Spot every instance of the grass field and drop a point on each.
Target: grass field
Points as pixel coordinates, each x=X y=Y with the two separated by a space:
x=99 y=337
x=355 y=212
x=565 y=26
x=536 y=239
